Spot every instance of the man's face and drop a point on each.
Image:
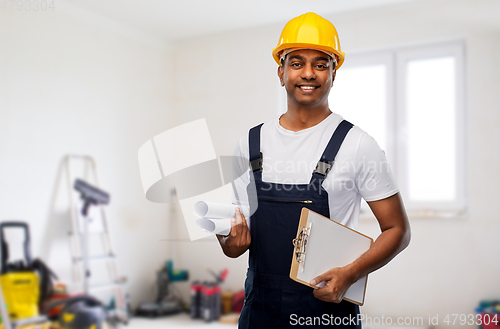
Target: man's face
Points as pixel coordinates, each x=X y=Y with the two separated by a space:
x=307 y=76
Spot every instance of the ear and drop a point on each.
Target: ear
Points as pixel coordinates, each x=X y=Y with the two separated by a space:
x=280 y=75
x=333 y=76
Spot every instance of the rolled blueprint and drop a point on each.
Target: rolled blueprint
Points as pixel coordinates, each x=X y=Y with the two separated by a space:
x=210 y=209
x=180 y=165
x=220 y=226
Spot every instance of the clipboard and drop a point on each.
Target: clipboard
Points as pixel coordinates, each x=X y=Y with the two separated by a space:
x=322 y=244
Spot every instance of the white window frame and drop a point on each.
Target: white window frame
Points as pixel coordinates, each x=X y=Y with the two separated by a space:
x=396 y=60
x=456 y=50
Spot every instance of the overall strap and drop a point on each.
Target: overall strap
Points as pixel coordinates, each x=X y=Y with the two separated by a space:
x=255 y=155
x=325 y=163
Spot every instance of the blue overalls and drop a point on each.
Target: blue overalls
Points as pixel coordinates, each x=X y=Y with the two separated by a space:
x=272 y=299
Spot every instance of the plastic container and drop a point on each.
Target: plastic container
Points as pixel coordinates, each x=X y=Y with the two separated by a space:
x=195 y=309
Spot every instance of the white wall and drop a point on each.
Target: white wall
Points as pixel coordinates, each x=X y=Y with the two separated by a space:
x=74 y=82
x=230 y=79
x=231 y=85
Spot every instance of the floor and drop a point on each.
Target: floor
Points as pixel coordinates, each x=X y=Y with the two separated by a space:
x=176 y=321
x=184 y=321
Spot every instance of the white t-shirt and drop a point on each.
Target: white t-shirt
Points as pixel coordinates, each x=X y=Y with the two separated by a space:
x=360 y=169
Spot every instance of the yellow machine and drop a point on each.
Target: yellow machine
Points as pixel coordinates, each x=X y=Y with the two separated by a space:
x=21 y=294
x=19 y=286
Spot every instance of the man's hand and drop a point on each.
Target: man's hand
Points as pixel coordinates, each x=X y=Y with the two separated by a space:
x=337 y=281
x=238 y=241
x=395 y=237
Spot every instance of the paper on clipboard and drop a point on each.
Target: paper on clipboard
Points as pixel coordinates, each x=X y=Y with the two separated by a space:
x=323 y=244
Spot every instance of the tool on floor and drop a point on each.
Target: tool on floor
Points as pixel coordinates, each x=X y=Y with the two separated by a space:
x=20 y=289
x=60 y=292
x=92 y=195
x=166 y=301
x=210 y=302
x=238 y=301
x=80 y=312
x=206 y=298
x=195 y=308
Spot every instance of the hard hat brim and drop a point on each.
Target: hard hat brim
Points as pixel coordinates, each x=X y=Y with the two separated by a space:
x=277 y=50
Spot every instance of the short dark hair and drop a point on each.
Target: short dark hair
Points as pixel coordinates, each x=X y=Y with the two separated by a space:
x=282 y=61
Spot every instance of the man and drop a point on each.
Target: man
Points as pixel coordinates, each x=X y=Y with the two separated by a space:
x=292 y=167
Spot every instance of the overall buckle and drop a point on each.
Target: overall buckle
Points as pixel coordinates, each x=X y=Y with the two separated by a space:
x=256 y=164
x=323 y=168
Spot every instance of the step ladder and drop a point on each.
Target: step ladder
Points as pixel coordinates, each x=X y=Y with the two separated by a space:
x=79 y=240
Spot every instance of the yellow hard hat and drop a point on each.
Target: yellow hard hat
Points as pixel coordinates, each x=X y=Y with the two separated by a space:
x=309 y=31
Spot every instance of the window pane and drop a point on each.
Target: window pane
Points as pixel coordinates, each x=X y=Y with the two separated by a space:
x=359 y=95
x=431 y=118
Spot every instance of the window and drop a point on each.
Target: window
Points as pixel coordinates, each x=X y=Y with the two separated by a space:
x=411 y=100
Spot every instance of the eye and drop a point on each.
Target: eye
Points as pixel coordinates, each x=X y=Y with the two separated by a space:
x=322 y=66
x=295 y=64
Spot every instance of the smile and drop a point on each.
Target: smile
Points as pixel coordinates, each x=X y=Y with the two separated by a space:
x=307 y=88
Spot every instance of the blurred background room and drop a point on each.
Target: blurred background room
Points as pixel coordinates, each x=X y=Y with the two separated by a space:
x=98 y=78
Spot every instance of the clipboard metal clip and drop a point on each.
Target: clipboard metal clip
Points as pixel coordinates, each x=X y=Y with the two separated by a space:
x=300 y=244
